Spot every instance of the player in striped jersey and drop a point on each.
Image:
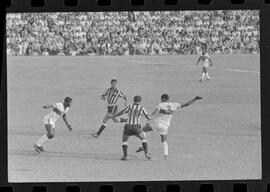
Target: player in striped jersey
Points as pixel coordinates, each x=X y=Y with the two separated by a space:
x=133 y=126
x=112 y=95
x=58 y=110
x=161 y=119
x=206 y=61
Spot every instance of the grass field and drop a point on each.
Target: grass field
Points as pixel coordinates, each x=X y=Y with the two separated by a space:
x=216 y=138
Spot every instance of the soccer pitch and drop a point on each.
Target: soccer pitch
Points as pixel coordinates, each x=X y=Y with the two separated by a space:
x=218 y=137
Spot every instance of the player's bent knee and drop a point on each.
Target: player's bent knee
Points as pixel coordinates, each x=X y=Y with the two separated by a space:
x=124 y=138
x=144 y=141
x=142 y=135
x=125 y=143
x=105 y=121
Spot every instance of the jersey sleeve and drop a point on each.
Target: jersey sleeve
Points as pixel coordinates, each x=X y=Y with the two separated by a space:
x=144 y=112
x=57 y=105
x=121 y=94
x=175 y=106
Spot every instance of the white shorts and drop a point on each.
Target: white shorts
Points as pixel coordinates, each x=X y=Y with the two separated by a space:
x=206 y=65
x=159 y=125
x=49 y=121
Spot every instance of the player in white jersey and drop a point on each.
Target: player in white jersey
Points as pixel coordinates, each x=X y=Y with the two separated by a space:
x=206 y=61
x=58 y=110
x=161 y=119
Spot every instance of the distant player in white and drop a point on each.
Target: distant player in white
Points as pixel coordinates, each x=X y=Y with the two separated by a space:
x=206 y=61
x=161 y=119
x=58 y=110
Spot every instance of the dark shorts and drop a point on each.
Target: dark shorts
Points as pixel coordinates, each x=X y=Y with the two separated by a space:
x=130 y=130
x=112 y=109
x=204 y=69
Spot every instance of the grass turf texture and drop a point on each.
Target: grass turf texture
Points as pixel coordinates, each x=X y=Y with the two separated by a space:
x=215 y=138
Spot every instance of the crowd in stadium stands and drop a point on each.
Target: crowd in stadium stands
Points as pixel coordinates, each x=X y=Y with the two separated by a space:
x=132 y=33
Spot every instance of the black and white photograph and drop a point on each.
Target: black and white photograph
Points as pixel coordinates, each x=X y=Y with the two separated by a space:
x=133 y=96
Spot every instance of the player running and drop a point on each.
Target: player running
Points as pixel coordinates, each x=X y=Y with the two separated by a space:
x=111 y=95
x=133 y=126
x=58 y=110
x=206 y=61
x=161 y=119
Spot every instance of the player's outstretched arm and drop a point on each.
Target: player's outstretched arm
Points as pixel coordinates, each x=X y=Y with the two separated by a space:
x=211 y=63
x=120 y=113
x=191 y=101
x=48 y=106
x=198 y=60
x=105 y=94
x=155 y=112
x=124 y=97
x=66 y=122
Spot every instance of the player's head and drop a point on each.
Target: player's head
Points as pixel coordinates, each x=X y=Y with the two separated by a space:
x=68 y=101
x=164 y=97
x=113 y=82
x=137 y=99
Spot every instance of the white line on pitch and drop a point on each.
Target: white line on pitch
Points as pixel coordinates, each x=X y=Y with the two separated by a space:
x=237 y=70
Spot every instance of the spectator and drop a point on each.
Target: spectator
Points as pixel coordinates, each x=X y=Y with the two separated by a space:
x=128 y=33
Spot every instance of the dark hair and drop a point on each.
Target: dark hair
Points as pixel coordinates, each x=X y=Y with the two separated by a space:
x=165 y=97
x=113 y=80
x=68 y=99
x=137 y=98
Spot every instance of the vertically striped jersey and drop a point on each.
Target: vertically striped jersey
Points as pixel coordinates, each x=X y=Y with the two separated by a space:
x=112 y=95
x=135 y=111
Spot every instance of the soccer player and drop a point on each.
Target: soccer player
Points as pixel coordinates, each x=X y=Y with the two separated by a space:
x=206 y=61
x=161 y=119
x=111 y=95
x=133 y=126
x=58 y=110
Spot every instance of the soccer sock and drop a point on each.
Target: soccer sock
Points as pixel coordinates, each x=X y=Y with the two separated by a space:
x=124 y=147
x=123 y=120
x=203 y=75
x=42 y=140
x=165 y=148
x=145 y=147
x=101 y=128
x=207 y=75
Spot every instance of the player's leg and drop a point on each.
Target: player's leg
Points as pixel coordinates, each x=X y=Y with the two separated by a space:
x=163 y=131
x=164 y=144
x=103 y=126
x=206 y=73
x=50 y=134
x=118 y=119
x=145 y=129
x=203 y=74
x=125 y=143
x=142 y=137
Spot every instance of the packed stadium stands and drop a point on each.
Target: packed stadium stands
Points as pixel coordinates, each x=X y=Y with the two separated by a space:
x=133 y=33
